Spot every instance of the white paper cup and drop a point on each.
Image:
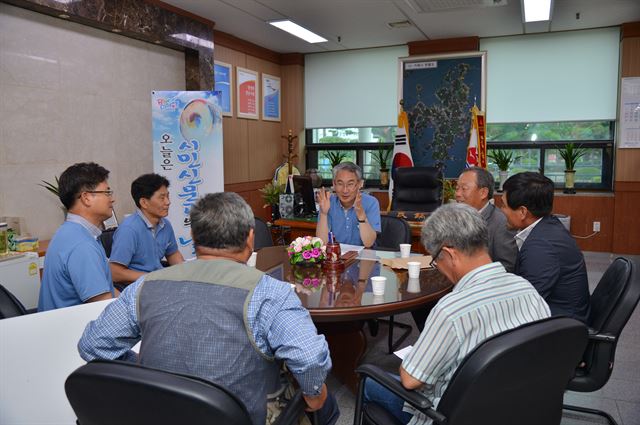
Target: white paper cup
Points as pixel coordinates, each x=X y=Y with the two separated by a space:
x=405 y=250
x=252 y=259
x=414 y=269
x=413 y=285
x=378 y=283
x=377 y=299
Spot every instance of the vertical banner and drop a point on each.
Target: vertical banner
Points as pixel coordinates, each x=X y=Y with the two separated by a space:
x=248 y=93
x=187 y=150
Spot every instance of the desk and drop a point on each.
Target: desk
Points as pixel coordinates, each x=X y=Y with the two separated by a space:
x=341 y=303
x=307 y=226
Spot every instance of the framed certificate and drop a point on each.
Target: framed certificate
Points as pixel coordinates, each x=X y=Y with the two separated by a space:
x=248 y=93
x=270 y=97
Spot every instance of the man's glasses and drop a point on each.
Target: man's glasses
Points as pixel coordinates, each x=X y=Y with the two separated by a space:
x=109 y=193
x=434 y=258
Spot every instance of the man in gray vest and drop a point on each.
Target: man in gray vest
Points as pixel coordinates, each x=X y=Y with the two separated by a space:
x=218 y=319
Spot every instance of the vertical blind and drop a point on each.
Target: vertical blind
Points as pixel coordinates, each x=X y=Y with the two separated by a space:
x=356 y=88
x=565 y=76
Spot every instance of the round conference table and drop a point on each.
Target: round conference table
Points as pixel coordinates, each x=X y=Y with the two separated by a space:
x=341 y=300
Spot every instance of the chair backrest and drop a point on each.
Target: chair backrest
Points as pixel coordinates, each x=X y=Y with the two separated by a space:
x=262 y=235
x=394 y=231
x=10 y=306
x=416 y=189
x=612 y=303
x=106 y=239
x=518 y=376
x=151 y=396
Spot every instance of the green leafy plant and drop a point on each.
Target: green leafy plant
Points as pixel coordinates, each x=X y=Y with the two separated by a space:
x=502 y=158
x=335 y=157
x=271 y=194
x=51 y=187
x=381 y=156
x=449 y=189
x=571 y=154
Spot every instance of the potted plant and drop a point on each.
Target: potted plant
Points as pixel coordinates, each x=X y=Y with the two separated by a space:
x=381 y=156
x=335 y=157
x=271 y=195
x=571 y=154
x=449 y=190
x=503 y=160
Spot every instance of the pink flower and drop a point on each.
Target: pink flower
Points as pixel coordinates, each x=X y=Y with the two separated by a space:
x=297 y=248
x=306 y=255
x=315 y=253
x=315 y=282
x=306 y=281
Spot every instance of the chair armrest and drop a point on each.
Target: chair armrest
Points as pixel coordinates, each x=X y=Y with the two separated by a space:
x=594 y=335
x=292 y=411
x=414 y=398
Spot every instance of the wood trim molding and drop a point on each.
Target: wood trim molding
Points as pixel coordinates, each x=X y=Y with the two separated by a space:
x=621 y=186
x=630 y=29
x=292 y=59
x=445 y=45
x=240 y=45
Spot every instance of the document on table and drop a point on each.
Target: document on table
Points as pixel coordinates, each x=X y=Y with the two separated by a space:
x=402 y=353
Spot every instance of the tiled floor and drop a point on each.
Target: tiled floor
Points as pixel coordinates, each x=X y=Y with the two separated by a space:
x=620 y=397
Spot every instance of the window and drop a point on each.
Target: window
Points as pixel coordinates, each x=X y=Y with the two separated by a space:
x=535 y=147
x=357 y=144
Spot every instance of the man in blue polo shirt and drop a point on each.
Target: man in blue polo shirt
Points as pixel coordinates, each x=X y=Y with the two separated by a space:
x=75 y=267
x=144 y=238
x=352 y=216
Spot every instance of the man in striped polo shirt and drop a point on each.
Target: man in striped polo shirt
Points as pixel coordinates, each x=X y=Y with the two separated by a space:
x=485 y=300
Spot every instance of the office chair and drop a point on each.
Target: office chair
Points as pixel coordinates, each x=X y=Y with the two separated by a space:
x=612 y=303
x=394 y=232
x=10 y=306
x=416 y=189
x=262 y=235
x=157 y=396
x=515 y=377
x=106 y=239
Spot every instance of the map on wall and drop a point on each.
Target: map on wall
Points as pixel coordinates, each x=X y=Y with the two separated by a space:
x=438 y=93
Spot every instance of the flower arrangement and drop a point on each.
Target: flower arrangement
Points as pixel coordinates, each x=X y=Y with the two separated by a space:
x=306 y=249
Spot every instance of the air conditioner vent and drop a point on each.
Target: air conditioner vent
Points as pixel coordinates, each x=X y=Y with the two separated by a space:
x=431 y=6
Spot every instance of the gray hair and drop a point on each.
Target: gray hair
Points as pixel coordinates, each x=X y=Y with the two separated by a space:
x=483 y=179
x=457 y=226
x=347 y=166
x=221 y=221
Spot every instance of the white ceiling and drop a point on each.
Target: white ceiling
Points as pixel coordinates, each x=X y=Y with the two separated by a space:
x=354 y=24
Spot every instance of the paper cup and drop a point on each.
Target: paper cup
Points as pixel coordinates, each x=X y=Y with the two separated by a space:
x=377 y=299
x=378 y=283
x=413 y=285
x=252 y=259
x=414 y=269
x=405 y=250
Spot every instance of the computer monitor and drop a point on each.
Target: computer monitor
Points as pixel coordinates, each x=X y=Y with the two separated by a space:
x=302 y=185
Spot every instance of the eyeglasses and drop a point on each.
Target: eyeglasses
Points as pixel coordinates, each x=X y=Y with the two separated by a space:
x=349 y=185
x=109 y=193
x=434 y=258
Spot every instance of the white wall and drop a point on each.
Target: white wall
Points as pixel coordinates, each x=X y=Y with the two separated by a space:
x=71 y=93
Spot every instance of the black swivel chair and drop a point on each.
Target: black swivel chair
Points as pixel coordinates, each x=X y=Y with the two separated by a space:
x=612 y=303
x=515 y=377
x=394 y=231
x=106 y=239
x=156 y=397
x=416 y=189
x=10 y=306
x=262 y=235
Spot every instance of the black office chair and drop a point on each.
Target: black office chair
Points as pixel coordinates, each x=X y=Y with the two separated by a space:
x=262 y=234
x=10 y=306
x=515 y=377
x=612 y=303
x=106 y=239
x=157 y=397
x=394 y=231
x=416 y=189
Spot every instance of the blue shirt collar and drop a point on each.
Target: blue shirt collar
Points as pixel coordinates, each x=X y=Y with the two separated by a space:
x=147 y=222
x=92 y=228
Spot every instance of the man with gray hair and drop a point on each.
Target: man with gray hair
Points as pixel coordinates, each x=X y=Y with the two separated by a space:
x=218 y=319
x=485 y=300
x=475 y=188
x=352 y=216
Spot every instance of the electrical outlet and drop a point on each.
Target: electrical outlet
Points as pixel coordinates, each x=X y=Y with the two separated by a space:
x=596 y=226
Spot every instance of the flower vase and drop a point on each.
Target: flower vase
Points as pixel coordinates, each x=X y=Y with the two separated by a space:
x=569 y=181
x=384 y=178
x=503 y=177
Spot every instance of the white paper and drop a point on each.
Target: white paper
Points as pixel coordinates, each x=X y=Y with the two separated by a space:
x=402 y=353
x=630 y=113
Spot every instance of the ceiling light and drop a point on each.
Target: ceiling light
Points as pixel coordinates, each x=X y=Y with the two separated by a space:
x=399 y=24
x=537 y=10
x=298 y=31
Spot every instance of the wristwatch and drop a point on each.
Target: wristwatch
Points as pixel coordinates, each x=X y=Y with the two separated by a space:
x=361 y=221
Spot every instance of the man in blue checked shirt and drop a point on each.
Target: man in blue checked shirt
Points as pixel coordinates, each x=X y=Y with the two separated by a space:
x=485 y=300
x=218 y=319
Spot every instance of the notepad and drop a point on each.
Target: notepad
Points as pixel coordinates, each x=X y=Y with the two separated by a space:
x=402 y=353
